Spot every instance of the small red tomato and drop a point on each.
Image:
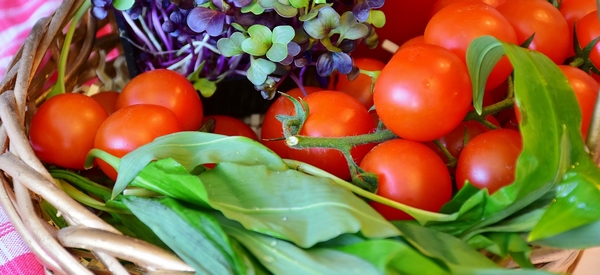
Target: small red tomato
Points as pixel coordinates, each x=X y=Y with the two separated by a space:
x=131 y=127
x=108 y=100
x=231 y=126
x=62 y=130
x=361 y=87
x=489 y=160
x=168 y=89
x=586 y=91
x=410 y=173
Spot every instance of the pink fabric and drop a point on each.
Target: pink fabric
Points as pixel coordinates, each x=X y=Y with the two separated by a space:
x=16 y=19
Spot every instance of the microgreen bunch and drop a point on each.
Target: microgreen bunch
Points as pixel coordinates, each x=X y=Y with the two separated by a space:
x=265 y=40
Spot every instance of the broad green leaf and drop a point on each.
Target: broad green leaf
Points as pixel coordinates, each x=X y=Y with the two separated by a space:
x=253 y=7
x=377 y=18
x=290 y=205
x=259 y=41
x=482 y=56
x=194 y=236
x=195 y=148
x=123 y=5
x=141 y=230
x=231 y=46
x=579 y=238
x=283 y=34
x=350 y=28
x=282 y=257
x=278 y=52
x=320 y=26
x=394 y=257
x=504 y=244
x=259 y=69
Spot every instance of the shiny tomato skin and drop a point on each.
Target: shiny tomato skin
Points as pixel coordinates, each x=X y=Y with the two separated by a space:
x=415 y=40
x=572 y=11
x=165 y=88
x=410 y=173
x=456 y=25
x=541 y=18
x=440 y=4
x=588 y=29
x=108 y=100
x=586 y=91
x=272 y=128
x=361 y=87
x=489 y=160
x=333 y=114
x=423 y=92
x=231 y=126
x=131 y=127
x=466 y=130
x=63 y=128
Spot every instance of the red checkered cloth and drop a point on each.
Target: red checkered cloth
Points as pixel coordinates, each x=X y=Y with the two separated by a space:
x=17 y=18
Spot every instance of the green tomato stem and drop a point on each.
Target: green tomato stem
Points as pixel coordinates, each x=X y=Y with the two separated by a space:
x=491 y=109
x=97 y=153
x=422 y=216
x=451 y=159
x=340 y=143
x=59 y=87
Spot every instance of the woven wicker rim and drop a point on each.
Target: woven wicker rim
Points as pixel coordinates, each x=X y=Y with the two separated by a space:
x=26 y=180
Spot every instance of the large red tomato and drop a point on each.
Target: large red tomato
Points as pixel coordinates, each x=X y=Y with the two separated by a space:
x=333 y=114
x=272 y=128
x=108 y=100
x=489 y=160
x=165 y=88
x=586 y=91
x=131 y=127
x=62 y=130
x=541 y=18
x=440 y=4
x=231 y=126
x=361 y=87
x=423 y=92
x=456 y=25
x=410 y=173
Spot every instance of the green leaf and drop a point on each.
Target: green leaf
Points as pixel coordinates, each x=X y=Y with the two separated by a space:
x=206 y=87
x=195 y=148
x=231 y=46
x=281 y=257
x=254 y=8
x=259 y=69
x=504 y=244
x=123 y=5
x=579 y=238
x=259 y=41
x=350 y=28
x=314 y=12
x=377 y=18
x=282 y=35
x=394 y=257
x=481 y=59
x=141 y=230
x=194 y=236
x=285 y=11
x=299 y=3
x=320 y=27
x=290 y=205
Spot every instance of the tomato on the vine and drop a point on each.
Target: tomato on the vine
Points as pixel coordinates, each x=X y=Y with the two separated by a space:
x=423 y=92
x=410 y=173
x=572 y=11
x=63 y=128
x=544 y=21
x=586 y=91
x=333 y=114
x=231 y=126
x=456 y=25
x=271 y=127
x=131 y=127
x=466 y=130
x=489 y=160
x=361 y=87
x=588 y=29
x=165 y=88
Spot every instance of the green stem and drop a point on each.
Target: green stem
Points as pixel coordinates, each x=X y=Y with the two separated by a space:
x=491 y=109
x=422 y=216
x=140 y=192
x=577 y=62
x=451 y=159
x=97 y=153
x=59 y=87
x=89 y=201
x=81 y=182
x=301 y=142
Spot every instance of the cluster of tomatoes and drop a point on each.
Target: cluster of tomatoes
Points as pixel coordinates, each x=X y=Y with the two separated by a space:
x=422 y=94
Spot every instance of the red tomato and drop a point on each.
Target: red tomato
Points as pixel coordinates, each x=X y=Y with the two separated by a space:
x=131 y=127
x=586 y=91
x=541 y=18
x=466 y=130
x=410 y=173
x=231 y=126
x=423 y=92
x=108 y=100
x=333 y=114
x=489 y=160
x=62 y=130
x=440 y=4
x=165 y=88
x=272 y=128
x=456 y=25
x=588 y=29
x=415 y=40
x=360 y=88
x=573 y=10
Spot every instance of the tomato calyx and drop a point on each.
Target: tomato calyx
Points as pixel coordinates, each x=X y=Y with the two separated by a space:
x=582 y=55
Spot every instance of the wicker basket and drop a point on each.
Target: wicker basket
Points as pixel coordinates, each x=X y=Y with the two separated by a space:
x=25 y=181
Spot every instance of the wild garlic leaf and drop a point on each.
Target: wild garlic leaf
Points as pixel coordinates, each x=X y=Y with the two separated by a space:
x=320 y=27
x=231 y=46
x=259 y=42
x=259 y=69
